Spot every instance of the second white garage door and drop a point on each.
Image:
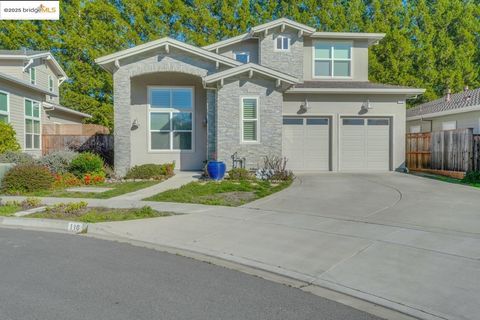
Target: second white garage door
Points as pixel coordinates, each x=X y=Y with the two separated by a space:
x=364 y=144
x=306 y=143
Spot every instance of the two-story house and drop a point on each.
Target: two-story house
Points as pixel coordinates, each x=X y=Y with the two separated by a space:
x=282 y=89
x=29 y=95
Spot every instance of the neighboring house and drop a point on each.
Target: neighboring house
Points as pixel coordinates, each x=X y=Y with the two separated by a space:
x=282 y=89
x=454 y=111
x=29 y=95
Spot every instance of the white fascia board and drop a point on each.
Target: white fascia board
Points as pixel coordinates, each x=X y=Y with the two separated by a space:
x=66 y=110
x=162 y=42
x=371 y=37
x=36 y=56
x=253 y=68
x=412 y=91
x=444 y=113
x=229 y=41
x=283 y=21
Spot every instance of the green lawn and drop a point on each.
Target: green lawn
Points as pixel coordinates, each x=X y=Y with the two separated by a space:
x=92 y=215
x=446 y=179
x=224 y=193
x=118 y=189
x=9 y=209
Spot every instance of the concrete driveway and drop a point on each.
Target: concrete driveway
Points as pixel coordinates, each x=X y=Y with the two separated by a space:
x=409 y=243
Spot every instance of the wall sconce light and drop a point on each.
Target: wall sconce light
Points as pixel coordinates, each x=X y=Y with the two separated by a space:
x=367 y=105
x=304 y=107
x=135 y=124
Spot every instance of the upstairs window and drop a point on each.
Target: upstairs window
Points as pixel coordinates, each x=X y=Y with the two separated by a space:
x=243 y=57
x=4 y=115
x=50 y=83
x=332 y=60
x=282 y=43
x=33 y=75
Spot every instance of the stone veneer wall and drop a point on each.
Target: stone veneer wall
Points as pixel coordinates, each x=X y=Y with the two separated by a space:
x=290 y=62
x=176 y=61
x=229 y=117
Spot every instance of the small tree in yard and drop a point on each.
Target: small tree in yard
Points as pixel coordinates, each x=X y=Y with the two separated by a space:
x=8 y=140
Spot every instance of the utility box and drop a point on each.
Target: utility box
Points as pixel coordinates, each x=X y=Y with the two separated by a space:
x=4 y=167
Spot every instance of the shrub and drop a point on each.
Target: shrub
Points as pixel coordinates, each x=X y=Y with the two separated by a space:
x=151 y=171
x=472 y=177
x=8 y=139
x=65 y=180
x=86 y=162
x=274 y=168
x=27 y=178
x=94 y=178
x=71 y=208
x=58 y=161
x=239 y=174
x=16 y=157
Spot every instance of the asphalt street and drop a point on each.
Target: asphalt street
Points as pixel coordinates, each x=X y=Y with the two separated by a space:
x=58 y=276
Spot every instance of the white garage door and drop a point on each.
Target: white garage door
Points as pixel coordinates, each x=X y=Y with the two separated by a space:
x=364 y=144
x=306 y=143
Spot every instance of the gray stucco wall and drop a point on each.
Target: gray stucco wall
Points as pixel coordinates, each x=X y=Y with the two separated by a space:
x=229 y=117
x=130 y=102
x=290 y=62
x=336 y=106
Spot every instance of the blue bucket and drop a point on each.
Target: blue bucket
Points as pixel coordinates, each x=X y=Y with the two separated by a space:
x=216 y=170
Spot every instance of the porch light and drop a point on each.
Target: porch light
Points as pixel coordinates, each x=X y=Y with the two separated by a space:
x=304 y=107
x=135 y=124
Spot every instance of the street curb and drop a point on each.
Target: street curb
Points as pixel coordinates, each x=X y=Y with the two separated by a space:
x=377 y=306
x=44 y=224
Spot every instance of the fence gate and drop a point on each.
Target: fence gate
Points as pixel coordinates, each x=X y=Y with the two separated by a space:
x=418 y=151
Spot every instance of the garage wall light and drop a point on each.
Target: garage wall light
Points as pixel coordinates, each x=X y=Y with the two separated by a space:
x=367 y=105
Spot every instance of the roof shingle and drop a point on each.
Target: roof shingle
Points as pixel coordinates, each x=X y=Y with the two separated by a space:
x=468 y=98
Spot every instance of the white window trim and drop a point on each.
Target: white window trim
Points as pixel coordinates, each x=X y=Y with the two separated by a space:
x=241 y=52
x=275 y=43
x=7 y=113
x=242 y=141
x=25 y=117
x=447 y=123
x=32 y=81
x=416 y=129
x=170 y=110
x=332 y=59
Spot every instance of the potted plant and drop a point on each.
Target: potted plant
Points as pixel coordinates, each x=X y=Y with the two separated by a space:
x=216 y=169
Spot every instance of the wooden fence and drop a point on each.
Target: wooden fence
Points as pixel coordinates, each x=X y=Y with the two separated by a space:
x=74 y=129
x=101 y=144
x=443 y=151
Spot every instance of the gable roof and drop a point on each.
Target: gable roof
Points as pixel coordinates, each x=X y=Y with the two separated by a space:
x=352 y=87
x=25 y=83
x=251 y=68
x=459 y=102
x=26 y=54
x=107 y=61
x=282 y=22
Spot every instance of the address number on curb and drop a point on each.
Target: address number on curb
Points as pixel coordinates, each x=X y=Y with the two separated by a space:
x=74 y=227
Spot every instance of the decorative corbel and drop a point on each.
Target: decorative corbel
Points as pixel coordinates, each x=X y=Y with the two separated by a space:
x=167 y=48
x=217 y=65
x=250 y=74
x=27 y=65
x=265 y=32
x=282 y=28
x=278 y=83
x=117 y=64
x=300 y=33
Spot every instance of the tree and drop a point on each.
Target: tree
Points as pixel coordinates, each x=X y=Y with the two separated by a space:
x=8 y=139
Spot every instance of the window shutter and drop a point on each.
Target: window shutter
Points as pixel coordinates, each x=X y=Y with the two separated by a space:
x=249 y=109
x=3 y=102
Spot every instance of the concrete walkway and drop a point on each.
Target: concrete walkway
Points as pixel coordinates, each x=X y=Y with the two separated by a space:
x=408 y=243
x=179 y=179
